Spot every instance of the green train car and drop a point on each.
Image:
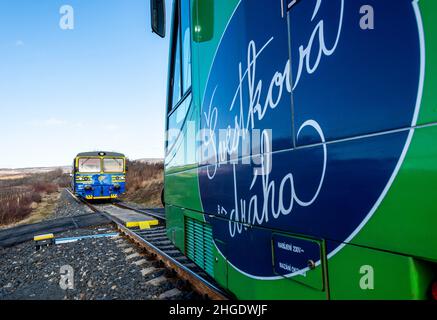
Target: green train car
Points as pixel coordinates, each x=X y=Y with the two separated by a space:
x=301 y=153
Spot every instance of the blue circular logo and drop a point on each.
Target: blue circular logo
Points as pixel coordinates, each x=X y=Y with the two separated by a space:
x=306 y=110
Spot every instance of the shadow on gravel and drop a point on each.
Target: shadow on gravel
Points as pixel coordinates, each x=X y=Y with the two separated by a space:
x=19 y=234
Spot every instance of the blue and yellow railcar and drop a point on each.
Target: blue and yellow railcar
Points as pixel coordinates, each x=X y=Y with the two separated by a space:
x=99 y=175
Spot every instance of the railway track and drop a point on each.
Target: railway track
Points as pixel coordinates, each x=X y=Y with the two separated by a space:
x=156 y=244
x=153 y=212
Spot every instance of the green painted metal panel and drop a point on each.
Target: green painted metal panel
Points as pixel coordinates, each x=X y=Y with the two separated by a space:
x=198 y=244
x=428 y=110
x=404 y=223
x=391 y=276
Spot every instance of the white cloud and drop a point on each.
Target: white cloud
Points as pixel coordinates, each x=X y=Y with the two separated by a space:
x=51 y=122
x=111 y=127
x=55 y=122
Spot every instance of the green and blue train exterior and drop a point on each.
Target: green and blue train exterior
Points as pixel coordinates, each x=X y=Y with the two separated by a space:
x=336 y=198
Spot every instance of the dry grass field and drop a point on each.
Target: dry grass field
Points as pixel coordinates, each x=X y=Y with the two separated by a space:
x=24 y=193
x=144 y=182
x=29 y=196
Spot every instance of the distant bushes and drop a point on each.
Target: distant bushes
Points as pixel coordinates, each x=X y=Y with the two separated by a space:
x=140 y=172
x=17 y=196
x=15 y=204
x=56 y=177
x=36 y=197
x=46 y=187
x=144 y=182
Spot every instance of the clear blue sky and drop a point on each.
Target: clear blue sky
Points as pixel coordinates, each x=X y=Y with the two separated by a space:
x=99 y=86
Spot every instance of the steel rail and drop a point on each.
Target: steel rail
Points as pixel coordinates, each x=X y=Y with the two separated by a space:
x=199 y=283
x=148 y=212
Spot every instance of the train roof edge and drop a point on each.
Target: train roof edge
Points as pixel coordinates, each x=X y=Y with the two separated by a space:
x=99 y=153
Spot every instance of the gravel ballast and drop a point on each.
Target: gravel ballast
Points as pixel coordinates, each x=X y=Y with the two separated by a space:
x=68 y=207
x=104 y=268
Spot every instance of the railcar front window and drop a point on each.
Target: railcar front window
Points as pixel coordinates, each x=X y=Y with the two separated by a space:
x=89 y=165
x=177 y=75
x=186 y=45
x=113 y=165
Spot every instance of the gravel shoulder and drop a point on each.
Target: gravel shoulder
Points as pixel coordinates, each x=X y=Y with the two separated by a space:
x=103 y=268
x=67 y=207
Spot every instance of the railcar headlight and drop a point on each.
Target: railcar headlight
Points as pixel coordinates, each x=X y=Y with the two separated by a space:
x=434 y=290
x=118 y=179
x=83 y=178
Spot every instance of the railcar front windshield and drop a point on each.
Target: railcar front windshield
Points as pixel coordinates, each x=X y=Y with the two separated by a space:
x=113 y=165
x=89 y=165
